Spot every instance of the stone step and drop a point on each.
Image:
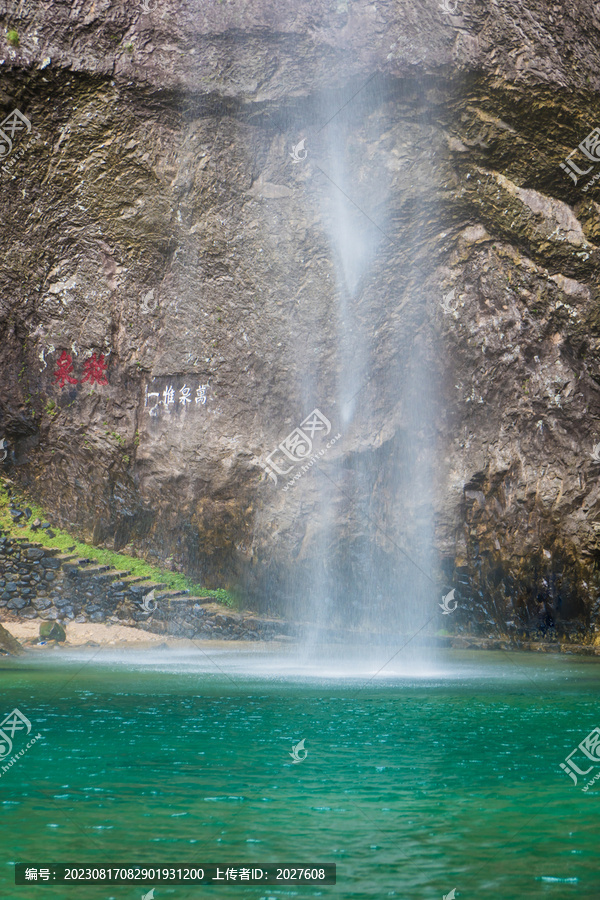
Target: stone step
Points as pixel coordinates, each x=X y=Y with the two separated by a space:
x=112 y=575
x=174 y=595
x=95 y=570
x=133 y=579
x=204 y=601
x=75 y=567
x=144 y=587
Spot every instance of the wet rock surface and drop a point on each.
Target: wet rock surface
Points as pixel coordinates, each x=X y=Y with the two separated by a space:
x=159 y=161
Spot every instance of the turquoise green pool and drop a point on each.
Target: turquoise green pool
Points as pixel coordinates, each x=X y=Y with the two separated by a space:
x=413 y=785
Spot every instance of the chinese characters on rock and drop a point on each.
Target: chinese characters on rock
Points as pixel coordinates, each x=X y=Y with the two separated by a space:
x=94 y=370
x=172 y=397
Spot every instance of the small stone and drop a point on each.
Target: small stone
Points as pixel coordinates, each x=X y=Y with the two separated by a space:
x=52 y=631
x=17 y=603
x=50 y=534
x=49 y=576
x=50 y=614
x=46 y=525
x=36 y=523
x=28 y=513
x=35 y=553
x=41 y=602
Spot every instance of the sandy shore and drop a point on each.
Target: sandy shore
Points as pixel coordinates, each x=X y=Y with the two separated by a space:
x=90 y=634
x=99 y=633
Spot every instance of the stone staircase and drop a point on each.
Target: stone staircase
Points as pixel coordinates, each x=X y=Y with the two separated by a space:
x=38 y=581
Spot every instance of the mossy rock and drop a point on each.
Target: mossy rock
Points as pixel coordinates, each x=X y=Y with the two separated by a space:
x=52 y=631
x=9 y=644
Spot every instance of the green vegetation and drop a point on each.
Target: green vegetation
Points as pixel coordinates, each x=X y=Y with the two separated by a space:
x=67 y=543
x=12 y=37
x=51 y=408
x=52 y=631
x=129 y=47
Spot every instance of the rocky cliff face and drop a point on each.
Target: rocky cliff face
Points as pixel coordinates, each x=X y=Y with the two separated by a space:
x=176 y=298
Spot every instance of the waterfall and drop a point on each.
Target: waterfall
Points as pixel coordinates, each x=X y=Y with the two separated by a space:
x=368 y=582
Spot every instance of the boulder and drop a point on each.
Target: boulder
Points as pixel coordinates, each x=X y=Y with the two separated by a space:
x=53 y=631
x=9 y=644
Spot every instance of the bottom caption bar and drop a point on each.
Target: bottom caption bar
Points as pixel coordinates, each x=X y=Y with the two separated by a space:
x=209 y=873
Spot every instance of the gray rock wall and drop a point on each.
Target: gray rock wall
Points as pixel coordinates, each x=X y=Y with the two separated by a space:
x=159 y=161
